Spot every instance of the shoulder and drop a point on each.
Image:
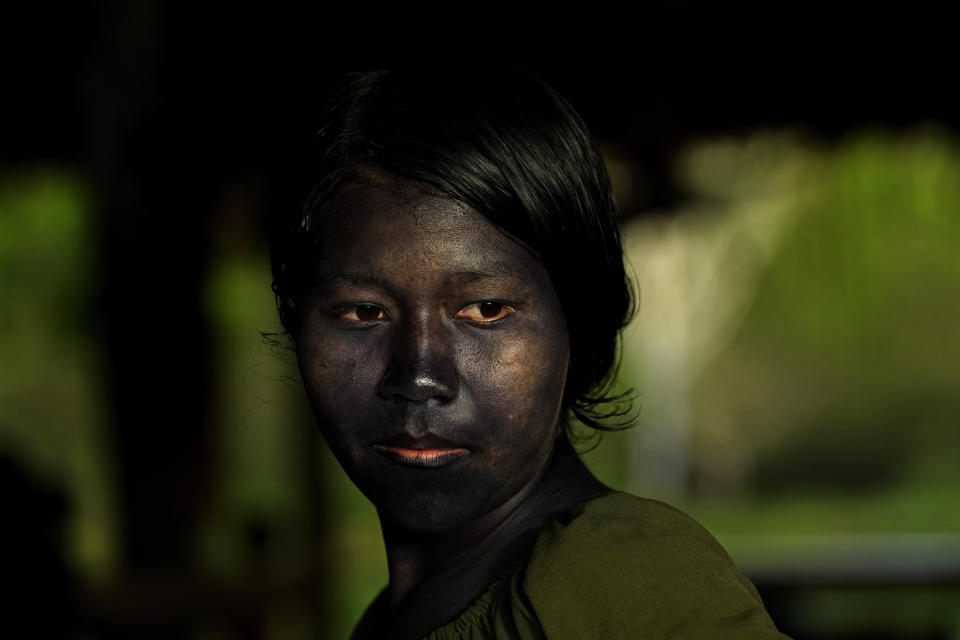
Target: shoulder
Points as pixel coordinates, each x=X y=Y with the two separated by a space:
x=623 y=526
x=620 y=564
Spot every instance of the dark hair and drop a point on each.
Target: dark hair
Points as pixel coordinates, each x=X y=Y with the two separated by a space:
x=508 y=146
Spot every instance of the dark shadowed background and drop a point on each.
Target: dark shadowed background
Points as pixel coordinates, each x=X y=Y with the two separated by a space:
x=792 y=217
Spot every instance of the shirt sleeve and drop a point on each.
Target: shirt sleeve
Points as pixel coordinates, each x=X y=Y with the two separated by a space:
x=637 y=568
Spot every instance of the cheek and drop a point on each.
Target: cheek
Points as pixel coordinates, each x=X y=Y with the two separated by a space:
x=338 y=376
x=522 y=385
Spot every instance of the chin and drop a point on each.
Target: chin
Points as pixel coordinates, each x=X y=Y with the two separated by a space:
x=426 y=522
x=427 y=507
x=423 y=514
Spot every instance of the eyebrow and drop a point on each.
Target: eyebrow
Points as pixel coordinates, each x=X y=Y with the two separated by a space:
x=469 y=277
x=366 y=279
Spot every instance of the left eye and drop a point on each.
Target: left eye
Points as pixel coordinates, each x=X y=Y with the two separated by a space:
x=362 y=313
x=485 y=312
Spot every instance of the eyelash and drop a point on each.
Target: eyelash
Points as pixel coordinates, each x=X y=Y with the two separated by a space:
x=344 y=312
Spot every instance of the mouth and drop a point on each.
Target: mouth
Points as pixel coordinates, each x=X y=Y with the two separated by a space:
x=426 y=452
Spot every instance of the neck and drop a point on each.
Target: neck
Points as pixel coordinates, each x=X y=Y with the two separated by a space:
x=437 y=575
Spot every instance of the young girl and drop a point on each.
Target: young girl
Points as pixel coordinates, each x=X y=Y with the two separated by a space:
x=455 y=290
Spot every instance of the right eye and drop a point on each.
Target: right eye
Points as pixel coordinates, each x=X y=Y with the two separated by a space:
x=486 y=312
x=362 y=314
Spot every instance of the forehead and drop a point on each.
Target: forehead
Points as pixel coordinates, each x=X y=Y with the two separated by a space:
x=393 y=225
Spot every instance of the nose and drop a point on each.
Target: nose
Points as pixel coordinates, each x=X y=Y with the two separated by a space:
x=422 y=363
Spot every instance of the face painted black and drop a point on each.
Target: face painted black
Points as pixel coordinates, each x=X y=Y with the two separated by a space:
x=434 y=352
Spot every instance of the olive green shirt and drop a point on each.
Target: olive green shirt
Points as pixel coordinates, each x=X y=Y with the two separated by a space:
x=619 y=567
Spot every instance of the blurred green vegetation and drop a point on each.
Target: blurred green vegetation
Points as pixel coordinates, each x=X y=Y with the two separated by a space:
x=51 y=414
x=827 y=400
x=819 y=392
x=851 y=330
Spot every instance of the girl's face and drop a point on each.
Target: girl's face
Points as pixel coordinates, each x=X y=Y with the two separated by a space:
x=434 y=352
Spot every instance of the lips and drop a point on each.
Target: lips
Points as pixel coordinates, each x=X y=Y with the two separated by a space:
x=428 y=451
